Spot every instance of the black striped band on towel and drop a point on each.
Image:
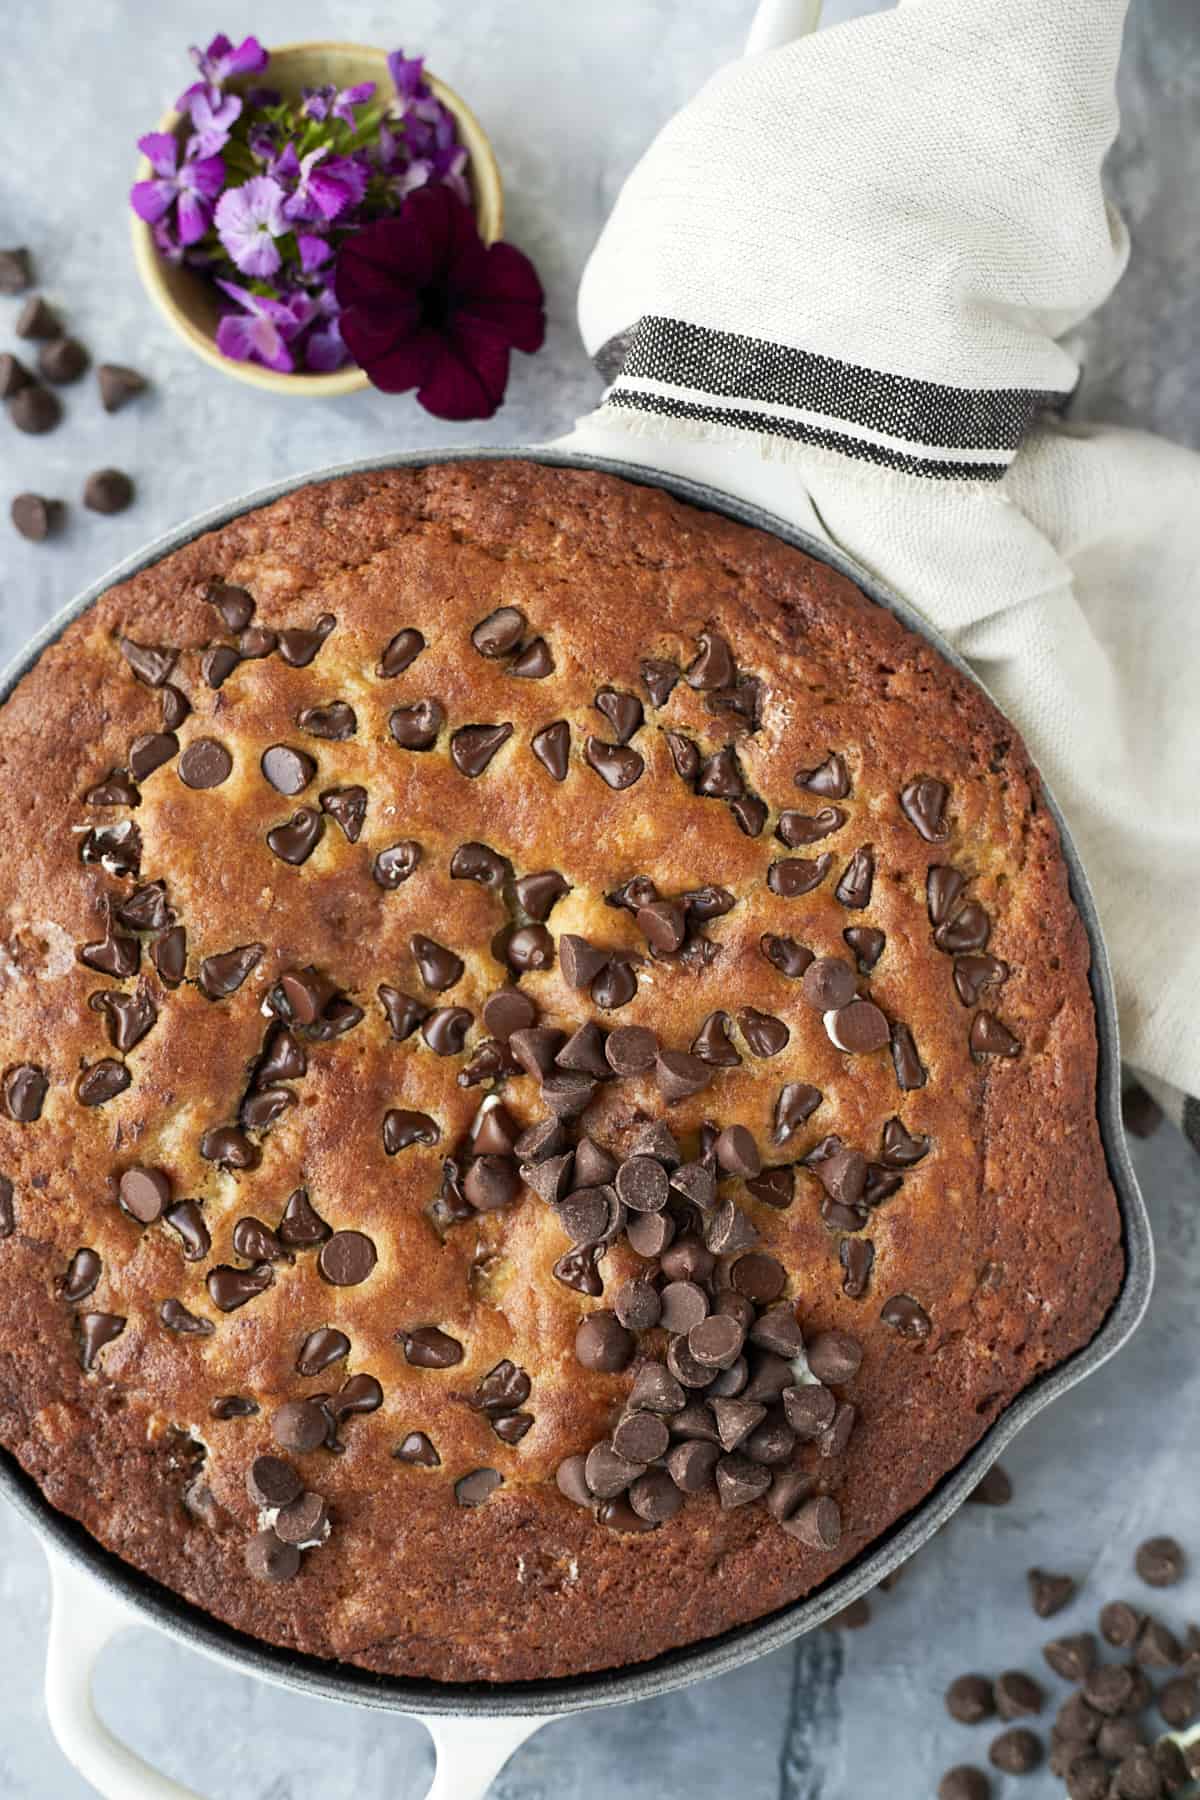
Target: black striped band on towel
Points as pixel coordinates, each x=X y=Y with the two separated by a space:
x=689 y=372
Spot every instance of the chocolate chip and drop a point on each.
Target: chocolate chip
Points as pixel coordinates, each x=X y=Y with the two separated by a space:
x=336 y=721
x=1015 y=1752
x=303 y=1523
x=630 y=1050
x=663 y=923
x=684 y=1304
x=472 y=747
x=692 y=1465
x=346 y=1258
x=923 y=803
x=1157 y=1646
x=491 y=1182
x=115 y=790
x=776 y=1330
x=786 y=955
x=1073 y=1658
x=659 y=678
x=295 y=841
x=417 y=1449
x=713 y=666
x=35 y=517
x=623 y=712
x=774 y=1187
x=765 y=1035
x=300 y=1426
x=614 y=986
x=106 y=490
x=268 y=1558
x=37 y=320
x=857 y=1029
x=719 y=776
x=96 y=1331
x=904 y=1315
x=552 y=747
x=1018 y=1695
x=910 y=1071
x=964 y=1782
x=583 y=1052
x=102 y=1082
x=231 y=1148
x=1049 y=1593
x=830 y=779
x=475 y=1488
x=867 y=944
x=617 y=764
x=828 y=983
x=1160 y=1562
x=817 y=1523
x=186 y=1218
x=429 y=1347
x=534 y=662
x=229 y=1288
x=271 y=1482
x=400 y=652
x=737 y=1152
x=16 y=271
x=650 y=1233
x=579 y=961
x=795 y=875
x=255 y=643
x=205 y=764
x=603 y=1344
x=288 y=771
x=499 y=633
x=716 y=1341
x=684 y=755
x=62 y=360
x=348 y=806
x=970 y=1699
x=320 y=1349
x=392 y=867
x=834 y=1357
x=118 y=385
x=687 y=1259
x=224 y=974
x=82 y=1275
x=297 y=647
x=642 y=1185
x=810 y=1410
x=144 y=1193
x=34 y=409
x=679 y=1074
x=439 y=967
x=13 y=376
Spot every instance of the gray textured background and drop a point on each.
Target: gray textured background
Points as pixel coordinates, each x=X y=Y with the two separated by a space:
x=570 y=92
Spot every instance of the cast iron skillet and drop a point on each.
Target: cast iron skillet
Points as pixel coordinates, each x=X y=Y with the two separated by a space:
x=188 y=1625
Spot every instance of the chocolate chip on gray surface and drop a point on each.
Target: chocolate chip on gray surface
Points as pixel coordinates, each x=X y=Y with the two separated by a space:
x=552 y=747
x=118 y=385
x=1157 y=1647
x=1160 y=1561
x=34 y=409
x=970 y=1699
x=13 y=375
x=1178 y=1701
x=1119 y=1624
x=1018 y=1695
x=107 y=490
x=37 y=320
x=964 y=1782
x=62 y=360
x=35 y=517
x=16 y=271
x=1016 y=1752
x=1110 y=1689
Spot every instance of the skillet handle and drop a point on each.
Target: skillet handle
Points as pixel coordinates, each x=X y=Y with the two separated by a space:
x=472 y=1752
x=83 y=1619
x=777 y=22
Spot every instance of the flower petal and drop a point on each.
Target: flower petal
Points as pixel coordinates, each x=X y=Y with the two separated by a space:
x=469 y=377
x=150 y=199
x=248 y=339
x=194 y=216
x=511 y=301
x=160 y=148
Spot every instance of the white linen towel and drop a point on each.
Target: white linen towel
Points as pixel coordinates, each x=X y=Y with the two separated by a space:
x=840 y=283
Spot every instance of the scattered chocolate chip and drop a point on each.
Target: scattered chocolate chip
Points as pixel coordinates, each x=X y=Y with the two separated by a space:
x=719 y=776
x=500 y=632
x=320 y=1349
x=118 y=385
x=144 y=1193
x=271 y=1482
x=62 y=360
x=679 y=1074
x=346 y=1258
x=268 y=1558
x=472 y=747
x=336 y=721
x=82 y=1276
x=232 y=1406
x=298 y=647
x=910 y=1071
x=34 y=517
x=615 y=986
x=288 y=771
x=393 y=867
x=603 y=1344
x=1073 y=1658
x=229 y=1288
x=970 y=1699
x=480 y=1485
x=796 y=828
x=218 y=664
x=13 y=376
x=295 y=841
x=817 y=1523
x=1160 y=1562
x=1015 y=1752
x=102 y=1082
x=205 y=764
x=96 y=1331
x=854 y=888
x=857 y=1257
x=858 y=1029
x=713 y=666
x=867 y=944
x=417 y=1450
x=623 y=712
x=964 y=1782
x=923 y=803
x=1049 y=1593
x=904 y=1315
x=256 y=642
x=37 y=320
x=796 y=876
x=300 y=1426
x=16 y=272
x=106 y=490
x=400 y=653
x=1018 y=1695
x=34 y=409
x=303 y=1522
x=834 y=1357
x=583 y=1052
x=552 y=747
x=830 y=779
x=231 y=1148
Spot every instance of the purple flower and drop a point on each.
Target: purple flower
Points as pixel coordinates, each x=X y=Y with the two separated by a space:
x=212 y=123
x=324 y=350
x=328 y=103
x=324 y=189
x=263 y=331
x=249 y=219
x=313 y=251
x=426 y=304
x=408 y=76
x=190 y=186
x=222 y=59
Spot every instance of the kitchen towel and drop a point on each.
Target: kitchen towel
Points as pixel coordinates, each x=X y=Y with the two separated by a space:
x=841 y=283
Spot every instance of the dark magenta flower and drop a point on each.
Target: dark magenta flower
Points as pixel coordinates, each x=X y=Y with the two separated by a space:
x=426 y=304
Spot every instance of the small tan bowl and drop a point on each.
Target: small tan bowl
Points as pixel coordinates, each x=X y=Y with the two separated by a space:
x=187 y=301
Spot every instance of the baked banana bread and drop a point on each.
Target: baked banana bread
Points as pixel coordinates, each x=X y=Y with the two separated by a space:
x=547 y=1073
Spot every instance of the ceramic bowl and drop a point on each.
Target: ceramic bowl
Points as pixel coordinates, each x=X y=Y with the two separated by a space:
x=188 y=303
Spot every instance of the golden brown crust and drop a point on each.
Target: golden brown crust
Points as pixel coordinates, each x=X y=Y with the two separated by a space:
x=1007 y=1233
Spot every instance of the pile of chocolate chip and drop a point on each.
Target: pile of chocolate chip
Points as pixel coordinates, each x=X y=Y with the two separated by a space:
x=1099 y=1744
x=35 y=408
